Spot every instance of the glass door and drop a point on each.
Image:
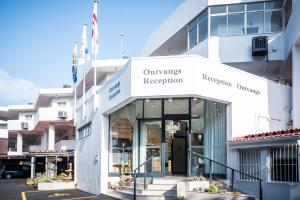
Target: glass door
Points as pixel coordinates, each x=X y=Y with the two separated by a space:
x=150 y=145
x=176 y=146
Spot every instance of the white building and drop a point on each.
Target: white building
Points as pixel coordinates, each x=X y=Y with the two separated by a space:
x=40 y=132
x=225 y=76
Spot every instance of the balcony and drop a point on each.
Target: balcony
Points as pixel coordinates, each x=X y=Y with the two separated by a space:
x=53 y=114
x=18 y=125
x=64 y=145
x=13 y=152
x=37 y=148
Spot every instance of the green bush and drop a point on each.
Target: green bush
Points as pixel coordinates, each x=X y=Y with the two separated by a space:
x=212 y=188
x=41 y=178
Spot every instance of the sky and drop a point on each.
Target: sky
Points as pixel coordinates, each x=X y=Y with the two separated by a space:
x=37 y=38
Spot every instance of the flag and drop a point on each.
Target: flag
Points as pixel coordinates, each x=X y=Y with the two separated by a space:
x=74 y=64
x=95 y=37
x=84 y=53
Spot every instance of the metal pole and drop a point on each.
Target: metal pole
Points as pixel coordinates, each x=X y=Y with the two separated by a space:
x=232 y=179
x=210 y=171
x=260 y=191
x=145 y=171
x=134 y=185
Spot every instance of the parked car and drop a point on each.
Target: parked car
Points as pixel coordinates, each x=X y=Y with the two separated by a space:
x=15 y=171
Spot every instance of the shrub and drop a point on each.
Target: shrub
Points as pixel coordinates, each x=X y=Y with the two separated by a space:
x=212 y=188
x=41 y=178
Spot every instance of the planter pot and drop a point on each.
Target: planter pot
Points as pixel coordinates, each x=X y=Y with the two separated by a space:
x=56 y=186
x=212 y=196
x=184 y=187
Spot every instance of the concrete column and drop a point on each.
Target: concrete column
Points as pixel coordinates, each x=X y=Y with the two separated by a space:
x=51 y=137
x=45 y=140
x=32 y=169
x=19 y=144
x=296 y=86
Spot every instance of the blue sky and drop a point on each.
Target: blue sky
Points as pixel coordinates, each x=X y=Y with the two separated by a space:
x=37 y=38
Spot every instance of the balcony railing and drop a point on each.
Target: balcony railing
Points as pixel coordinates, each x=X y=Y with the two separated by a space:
x=65 y=145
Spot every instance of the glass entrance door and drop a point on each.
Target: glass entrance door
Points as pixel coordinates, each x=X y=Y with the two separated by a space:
x=176 y=146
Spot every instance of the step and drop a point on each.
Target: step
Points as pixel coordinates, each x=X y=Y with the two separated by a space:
x=161 y=187
x=129 y=196
x=165 y=181
x=160 y=192
x=157 y=189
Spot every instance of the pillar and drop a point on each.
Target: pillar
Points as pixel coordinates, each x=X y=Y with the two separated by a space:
x=51 y=137
x=44 y=140
x=19 y=144
x=32 y=169
x=296 y=86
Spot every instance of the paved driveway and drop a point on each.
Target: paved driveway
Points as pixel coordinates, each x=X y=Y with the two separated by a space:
x=14 y=189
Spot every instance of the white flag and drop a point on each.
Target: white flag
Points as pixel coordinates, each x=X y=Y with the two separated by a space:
x=84 y=53
x=95 y=37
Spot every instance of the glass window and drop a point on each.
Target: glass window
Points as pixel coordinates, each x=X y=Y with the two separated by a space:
x=255 y=6
x=274 y=5
x=236 y=8
x=273 y=21
x=217 y=9
x=152 y=108
x=249 y=163
x=122 y=128
x=218 y=25
x=202 y=28
x=176 y=106
x=193 y=33
x=236 y=24
x=287 y=11
x=192 y=37
x=255 y=22
x=150 y=145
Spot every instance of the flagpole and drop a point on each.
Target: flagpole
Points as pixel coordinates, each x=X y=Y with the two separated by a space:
x=95 y=41
x=83 y=90
x=75 y=104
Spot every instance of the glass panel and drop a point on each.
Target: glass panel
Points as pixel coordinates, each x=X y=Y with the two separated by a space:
x=175 y=137
x=218 y=25
x=287 y=11
x=273 y=21
x=215 y=135
x=193 y=37
x=139 y=108
x=203 y=29
x=255 y=6
x=255 y=22
x=236 y=24
x=236 y=8
x=274 y=5
x=176 y=106
x=197 y=108
x=122 y=129
x=150 y=145
x=152 y=108
x=217 y=9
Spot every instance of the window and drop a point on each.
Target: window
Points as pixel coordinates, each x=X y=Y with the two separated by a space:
x=62 y=104
x=262 y=17
x=202 y=26
x=287 y=11
x=193 y=34
x=152 y=108
x=273 y=21
x=121 y=139
x=218 y=25
x=28 y=117
x=84 y=131
x=198 y=29
x=284 y=163
x=249 y=163
x=255 y=22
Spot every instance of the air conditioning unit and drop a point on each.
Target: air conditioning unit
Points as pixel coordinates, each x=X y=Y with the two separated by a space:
x=24 y=125
x=260 y=46
x=62 y=114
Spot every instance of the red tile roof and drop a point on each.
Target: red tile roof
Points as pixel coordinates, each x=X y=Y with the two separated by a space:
x=269 y=135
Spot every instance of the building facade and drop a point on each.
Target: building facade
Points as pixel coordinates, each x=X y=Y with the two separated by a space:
x=212 y=73
x=41 y=134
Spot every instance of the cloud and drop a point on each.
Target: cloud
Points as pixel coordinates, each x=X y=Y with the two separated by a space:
x=16 y=90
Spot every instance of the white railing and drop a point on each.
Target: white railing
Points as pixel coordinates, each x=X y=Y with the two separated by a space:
x=65 y=145
x=33 y=148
